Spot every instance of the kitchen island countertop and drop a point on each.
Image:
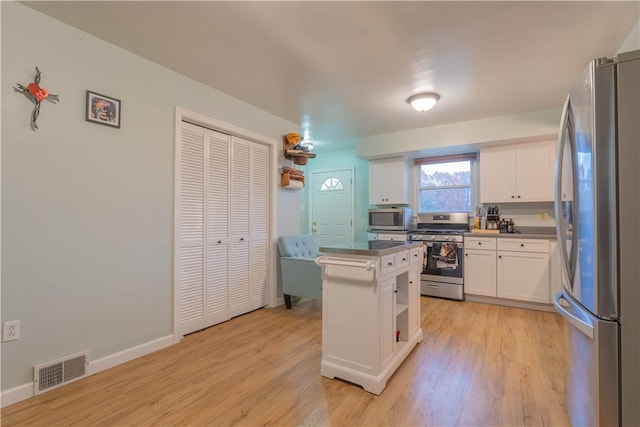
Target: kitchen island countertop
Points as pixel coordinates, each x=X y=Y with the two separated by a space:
x=371 y=247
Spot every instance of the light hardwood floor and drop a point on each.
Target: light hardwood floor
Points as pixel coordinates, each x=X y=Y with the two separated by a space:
x=478 y=365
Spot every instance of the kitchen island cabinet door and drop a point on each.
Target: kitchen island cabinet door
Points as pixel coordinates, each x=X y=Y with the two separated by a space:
x=523 y=276
x=480 y=272
x=414 y=300
x=387 y=321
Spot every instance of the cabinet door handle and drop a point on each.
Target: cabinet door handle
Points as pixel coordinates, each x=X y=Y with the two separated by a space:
x=513 y=197
x=219 y=241
x=390 y=264
x=479 y=243
x=395 y=291
x=242 y=239
x=500 y=256
x=518 y=197
x=522 y=245
x=466 y=254
x=404 y=259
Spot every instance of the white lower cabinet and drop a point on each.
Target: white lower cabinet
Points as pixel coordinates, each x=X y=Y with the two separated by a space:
x=508 y=268
x=480 y=272
x=480 y=266
x=523 y=276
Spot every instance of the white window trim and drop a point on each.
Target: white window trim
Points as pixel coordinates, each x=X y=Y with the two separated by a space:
x=475 y=186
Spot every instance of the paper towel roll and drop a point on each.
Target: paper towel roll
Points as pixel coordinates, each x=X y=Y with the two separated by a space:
x=294 y=185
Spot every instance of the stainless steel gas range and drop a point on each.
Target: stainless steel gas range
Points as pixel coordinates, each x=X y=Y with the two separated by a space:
x=443 y=264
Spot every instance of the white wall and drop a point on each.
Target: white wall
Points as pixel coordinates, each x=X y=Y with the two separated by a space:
x=463 y=136
x=632 y=42
x=87 y=210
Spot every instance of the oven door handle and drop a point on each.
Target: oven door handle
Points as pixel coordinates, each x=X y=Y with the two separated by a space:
x=458 y=244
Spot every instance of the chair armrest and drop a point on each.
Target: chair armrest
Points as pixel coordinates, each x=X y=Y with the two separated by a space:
x=301 y=277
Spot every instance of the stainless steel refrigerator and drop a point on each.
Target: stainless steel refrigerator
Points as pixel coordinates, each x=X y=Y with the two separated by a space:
x=597 y=216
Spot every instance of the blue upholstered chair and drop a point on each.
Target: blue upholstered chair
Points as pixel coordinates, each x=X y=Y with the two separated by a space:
x=301 y=277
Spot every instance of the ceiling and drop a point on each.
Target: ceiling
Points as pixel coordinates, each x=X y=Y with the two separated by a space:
x=344 y=70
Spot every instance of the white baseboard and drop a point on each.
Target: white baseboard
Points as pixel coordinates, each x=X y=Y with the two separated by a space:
x=25 y=391
x=510 y=303
x=121 y=357
x=16 y=394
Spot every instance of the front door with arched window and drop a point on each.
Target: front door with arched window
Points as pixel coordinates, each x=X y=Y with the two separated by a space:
x=331 y=200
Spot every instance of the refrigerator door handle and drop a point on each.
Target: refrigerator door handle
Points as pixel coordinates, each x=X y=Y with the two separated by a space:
x=564 y=123
x=582 y=323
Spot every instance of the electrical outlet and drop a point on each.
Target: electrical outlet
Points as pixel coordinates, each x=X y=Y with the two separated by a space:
x=11 y=331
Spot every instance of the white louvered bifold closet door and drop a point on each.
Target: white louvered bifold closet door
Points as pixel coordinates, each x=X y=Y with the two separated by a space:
x=240 y=214
x=222 y=227
x=259 y=243
x=217 y=226
x=189 y=263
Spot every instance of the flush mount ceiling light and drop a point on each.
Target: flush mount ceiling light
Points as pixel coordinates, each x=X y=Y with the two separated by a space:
x=423 y=101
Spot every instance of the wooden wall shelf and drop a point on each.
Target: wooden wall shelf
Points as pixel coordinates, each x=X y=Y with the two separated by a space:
x=299 y=157
x=292 y=178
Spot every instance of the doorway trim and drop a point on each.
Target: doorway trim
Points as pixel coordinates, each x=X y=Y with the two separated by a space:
x=313 y=177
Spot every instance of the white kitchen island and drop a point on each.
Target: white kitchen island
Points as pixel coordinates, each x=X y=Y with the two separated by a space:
x=370 y=309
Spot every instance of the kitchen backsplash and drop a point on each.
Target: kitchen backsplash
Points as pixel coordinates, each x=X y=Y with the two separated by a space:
x=532 y=215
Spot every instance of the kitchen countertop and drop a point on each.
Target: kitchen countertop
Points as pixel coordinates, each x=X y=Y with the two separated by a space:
x=388 y=231
x=523 y=233
x=372 y=247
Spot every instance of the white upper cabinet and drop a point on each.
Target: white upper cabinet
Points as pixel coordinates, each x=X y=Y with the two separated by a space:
x=388 y=182
x=517 y=173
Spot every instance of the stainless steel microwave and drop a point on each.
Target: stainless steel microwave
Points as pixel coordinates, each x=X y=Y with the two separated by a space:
x=390 y=219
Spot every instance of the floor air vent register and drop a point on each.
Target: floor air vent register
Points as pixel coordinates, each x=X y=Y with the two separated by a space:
x=55 y=373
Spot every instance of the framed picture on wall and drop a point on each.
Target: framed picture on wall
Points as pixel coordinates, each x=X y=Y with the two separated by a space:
x=103 y=109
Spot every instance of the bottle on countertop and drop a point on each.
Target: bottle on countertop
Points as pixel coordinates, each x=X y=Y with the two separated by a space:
x=476 y=220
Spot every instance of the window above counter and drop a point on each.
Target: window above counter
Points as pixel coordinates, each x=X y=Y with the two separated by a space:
x=445 y=183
